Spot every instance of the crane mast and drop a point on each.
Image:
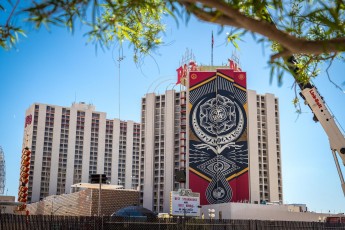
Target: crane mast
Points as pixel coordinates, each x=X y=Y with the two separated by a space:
x=322 y=114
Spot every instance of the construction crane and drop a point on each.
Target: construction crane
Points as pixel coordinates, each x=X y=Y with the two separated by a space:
x=323 y=115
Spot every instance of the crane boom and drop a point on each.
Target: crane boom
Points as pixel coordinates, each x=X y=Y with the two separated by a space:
x=322 y=114
x=328 y=123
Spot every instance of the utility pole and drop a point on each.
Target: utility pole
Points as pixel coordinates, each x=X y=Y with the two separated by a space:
x=99 y=196
x=99 y=178
x=212 y=43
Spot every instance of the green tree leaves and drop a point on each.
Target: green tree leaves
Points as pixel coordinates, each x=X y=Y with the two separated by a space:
x=313 y=31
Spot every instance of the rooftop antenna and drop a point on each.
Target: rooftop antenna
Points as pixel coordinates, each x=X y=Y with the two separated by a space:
x=235 y=58
x=121 y=57
x=187 y=57
x=2 y=172
x=212 y=43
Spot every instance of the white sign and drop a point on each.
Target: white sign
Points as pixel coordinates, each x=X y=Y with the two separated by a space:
x=184 y=203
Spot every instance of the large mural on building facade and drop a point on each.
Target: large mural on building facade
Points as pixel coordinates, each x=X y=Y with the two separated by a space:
x=218 y=149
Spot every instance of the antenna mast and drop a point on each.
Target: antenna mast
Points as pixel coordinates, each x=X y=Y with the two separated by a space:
x=212 y=43
x=121 y=57
x=2 y=172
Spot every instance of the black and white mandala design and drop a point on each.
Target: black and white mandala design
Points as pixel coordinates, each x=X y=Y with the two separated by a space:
x=218 y=120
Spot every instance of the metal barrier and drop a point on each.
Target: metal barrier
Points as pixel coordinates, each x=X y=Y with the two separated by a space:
x=46 y=222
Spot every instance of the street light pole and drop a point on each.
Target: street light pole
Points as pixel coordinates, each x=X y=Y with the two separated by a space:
x=52 y=207
x=99 y=196
x=99 y=178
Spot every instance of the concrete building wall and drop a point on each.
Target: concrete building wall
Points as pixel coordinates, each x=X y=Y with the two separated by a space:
x=7 y=208
x=116 y=149
x=160 y=149
x=101 y=143
x=86 y=147
x=168 y=148
x=254 y=185
x=272 y=148
x=68 y=144
x=148 y=151
x=55 y=151
x=36 y=162
x=264 y=148
x=129 y=155
x=260 y=212
x=71 y=149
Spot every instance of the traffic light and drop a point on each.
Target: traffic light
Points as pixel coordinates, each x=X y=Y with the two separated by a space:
x=95 y=178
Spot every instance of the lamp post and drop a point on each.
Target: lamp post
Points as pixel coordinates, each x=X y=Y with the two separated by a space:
x=52 y=205
x=211 y=213
x=99 y=179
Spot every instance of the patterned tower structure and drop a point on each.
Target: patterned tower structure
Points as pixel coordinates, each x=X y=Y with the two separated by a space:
x=24 y=177
x=218 y=147
x=25 y=165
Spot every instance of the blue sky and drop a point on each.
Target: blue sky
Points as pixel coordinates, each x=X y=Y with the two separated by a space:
x=59 y=68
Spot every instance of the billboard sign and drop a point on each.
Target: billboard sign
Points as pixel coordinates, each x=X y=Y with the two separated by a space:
x=184 y=202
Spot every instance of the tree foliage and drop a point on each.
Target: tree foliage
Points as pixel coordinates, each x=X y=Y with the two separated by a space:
x=139 y=22
x=311 y=30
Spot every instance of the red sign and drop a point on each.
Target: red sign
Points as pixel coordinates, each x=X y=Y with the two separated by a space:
x=28 y=120
x=313 y=95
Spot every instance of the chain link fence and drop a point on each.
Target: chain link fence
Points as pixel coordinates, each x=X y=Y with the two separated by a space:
x=45 y=222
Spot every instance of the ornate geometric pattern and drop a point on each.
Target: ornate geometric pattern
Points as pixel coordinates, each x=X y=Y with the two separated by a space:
x=218 y=165
x=218 y=120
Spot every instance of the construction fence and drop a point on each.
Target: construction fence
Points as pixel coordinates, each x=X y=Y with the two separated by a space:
x=46 y=222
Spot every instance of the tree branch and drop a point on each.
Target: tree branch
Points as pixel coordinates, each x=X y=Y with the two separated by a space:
x=12 y=12
x=290 y=43
x=284 y=53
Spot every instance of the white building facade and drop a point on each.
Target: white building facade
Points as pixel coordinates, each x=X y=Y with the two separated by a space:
x=69 y=143
x=265 y=167
x=160 y=149
x=161 y=145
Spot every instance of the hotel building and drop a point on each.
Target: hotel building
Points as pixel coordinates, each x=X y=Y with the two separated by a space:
x=160 y=149
x=265 y=167
x=162 y=143
x=69 y=143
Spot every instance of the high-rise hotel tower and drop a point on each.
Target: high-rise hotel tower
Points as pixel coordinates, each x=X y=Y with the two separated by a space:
x=69 y=143
x=162 y=141
x=223 y=137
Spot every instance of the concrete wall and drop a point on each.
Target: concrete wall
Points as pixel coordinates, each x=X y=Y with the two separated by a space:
x=168 y=148
x=4 y=208
x=253 y=147
x=149 y=152
x=260 y=212
x=272 y=148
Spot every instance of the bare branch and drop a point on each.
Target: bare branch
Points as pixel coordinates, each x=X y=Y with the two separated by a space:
x=329 y=78
x=12 y=12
